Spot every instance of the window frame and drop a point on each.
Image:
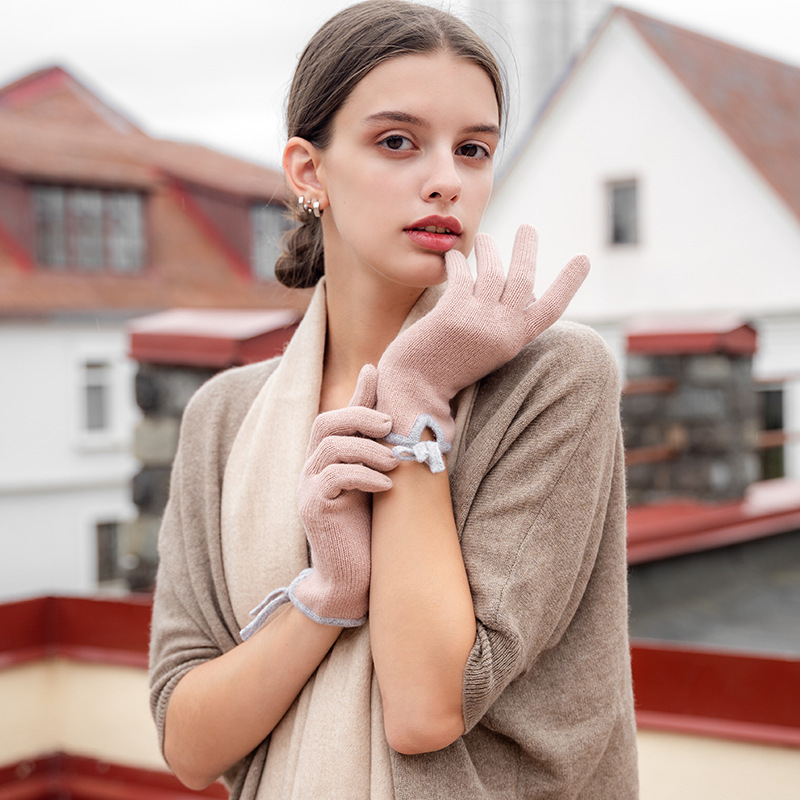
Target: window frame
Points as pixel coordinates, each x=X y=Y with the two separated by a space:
x=613 y=215
x=68 y=244
x=114 y=435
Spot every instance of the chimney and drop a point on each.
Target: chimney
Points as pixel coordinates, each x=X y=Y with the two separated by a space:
x=178 y=351
x=691 y=403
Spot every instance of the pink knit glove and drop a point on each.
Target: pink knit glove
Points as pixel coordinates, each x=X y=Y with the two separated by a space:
x=342 y=469
x=474 y=328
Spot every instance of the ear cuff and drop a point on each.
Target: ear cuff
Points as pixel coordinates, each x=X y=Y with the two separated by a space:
x=310 y=205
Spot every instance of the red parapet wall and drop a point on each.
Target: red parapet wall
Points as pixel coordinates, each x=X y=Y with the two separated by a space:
x=92 y=630
x=733 y=695
x=66 y=776
x=746 y=696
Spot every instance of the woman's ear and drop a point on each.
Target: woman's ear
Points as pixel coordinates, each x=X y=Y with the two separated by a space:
x=300 y=160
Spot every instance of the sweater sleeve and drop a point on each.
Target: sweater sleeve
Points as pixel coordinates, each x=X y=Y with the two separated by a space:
x=193 y=621
x=547 y=448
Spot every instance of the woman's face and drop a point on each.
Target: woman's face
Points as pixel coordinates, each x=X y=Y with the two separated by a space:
x=408 y=171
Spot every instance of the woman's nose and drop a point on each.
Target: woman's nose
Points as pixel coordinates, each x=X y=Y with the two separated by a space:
x=443 y=181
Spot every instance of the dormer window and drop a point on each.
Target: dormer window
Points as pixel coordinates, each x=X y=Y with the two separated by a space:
x=80 y=229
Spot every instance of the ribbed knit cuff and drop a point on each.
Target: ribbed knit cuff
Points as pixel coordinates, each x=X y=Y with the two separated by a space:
x=274 y=600
x=414 y=448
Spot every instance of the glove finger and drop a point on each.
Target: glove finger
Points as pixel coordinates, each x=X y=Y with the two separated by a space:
x=459 y=278
x=349 y=421
x=551 y=305
x=338 y=478
x=491 y=277
x=522 y=270
x=366 y=391
x=350 y=450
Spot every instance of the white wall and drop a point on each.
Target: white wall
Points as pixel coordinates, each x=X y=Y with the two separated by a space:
x=714 y=234
x=58 y=481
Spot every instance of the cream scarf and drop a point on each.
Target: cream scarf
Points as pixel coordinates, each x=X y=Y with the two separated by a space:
x=331 y=742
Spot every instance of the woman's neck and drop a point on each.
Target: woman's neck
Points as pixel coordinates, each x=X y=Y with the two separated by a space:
x=363 y=318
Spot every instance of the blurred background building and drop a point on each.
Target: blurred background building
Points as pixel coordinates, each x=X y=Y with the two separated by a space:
x=542 y=37
x=100 y=223
x=674 y=160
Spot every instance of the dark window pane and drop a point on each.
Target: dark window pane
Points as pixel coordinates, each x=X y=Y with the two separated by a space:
x=86 y=212
x=772 y=409
x=125 y=225
x=51 y=241
x=107 y=551
x=623 y=213
x=97 y=397
x=89 y=230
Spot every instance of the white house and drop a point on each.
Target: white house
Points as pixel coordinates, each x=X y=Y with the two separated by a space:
x=673 y=160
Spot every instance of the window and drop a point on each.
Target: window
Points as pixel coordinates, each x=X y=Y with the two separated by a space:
x=97 y=397
x=89 y=230
x=108 y=562
x=268 y=224
x=623 y=216
x=772 y=433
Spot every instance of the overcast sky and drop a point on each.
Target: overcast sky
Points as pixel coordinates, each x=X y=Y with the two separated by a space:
x=217 y=72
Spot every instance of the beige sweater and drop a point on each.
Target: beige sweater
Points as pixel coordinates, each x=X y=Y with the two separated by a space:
x=539 y=501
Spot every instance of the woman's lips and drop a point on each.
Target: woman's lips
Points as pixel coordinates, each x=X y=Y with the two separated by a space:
x=435 y=233
x=432 y=239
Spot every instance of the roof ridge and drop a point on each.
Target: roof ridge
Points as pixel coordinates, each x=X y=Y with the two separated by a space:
x=29 y=89
x=753 y=99
x=707 y=37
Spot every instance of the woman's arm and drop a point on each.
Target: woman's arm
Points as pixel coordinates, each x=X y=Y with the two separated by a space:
x=422 y=618
x=422 y=624
x=223 y=708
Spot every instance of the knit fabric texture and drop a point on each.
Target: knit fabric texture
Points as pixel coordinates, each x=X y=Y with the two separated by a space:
x=539 y=502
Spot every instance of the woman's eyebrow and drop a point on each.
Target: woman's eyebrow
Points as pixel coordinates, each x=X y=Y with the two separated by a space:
x=493 y=129
x=411 y=119
x=397 y=116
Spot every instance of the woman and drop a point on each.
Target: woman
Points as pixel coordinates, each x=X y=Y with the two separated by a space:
x=466 y=497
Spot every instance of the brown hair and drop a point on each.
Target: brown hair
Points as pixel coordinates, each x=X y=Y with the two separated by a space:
x=339 y=55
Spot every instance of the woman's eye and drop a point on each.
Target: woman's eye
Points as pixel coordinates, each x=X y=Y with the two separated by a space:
x=472 y=150
x=396 y=142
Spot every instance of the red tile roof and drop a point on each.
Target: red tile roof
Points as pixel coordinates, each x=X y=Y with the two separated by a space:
x=754 y=99
x=85 y=140
x=210 y=338
x=711 y=333
x=54 y=129
x=661 y=530
x=52 y=95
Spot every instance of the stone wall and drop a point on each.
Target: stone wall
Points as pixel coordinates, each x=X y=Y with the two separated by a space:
x=162 y=393
x=703 y=409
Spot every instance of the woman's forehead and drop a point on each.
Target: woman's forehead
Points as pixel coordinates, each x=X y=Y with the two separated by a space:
x=424 y=86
